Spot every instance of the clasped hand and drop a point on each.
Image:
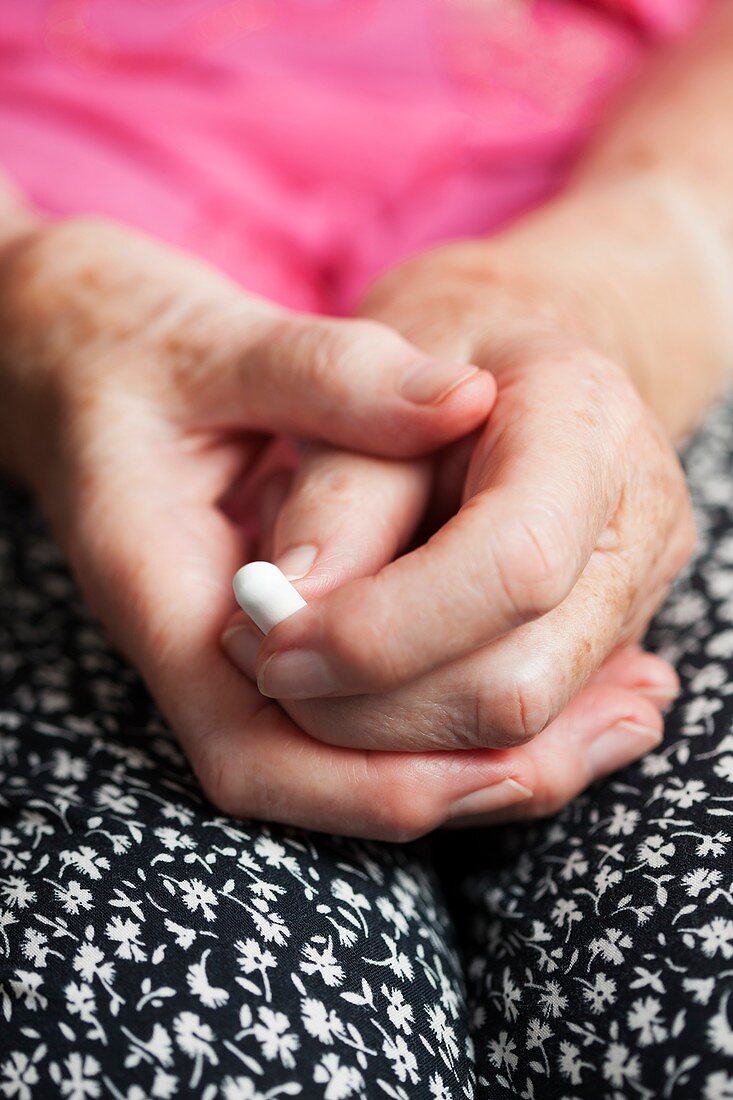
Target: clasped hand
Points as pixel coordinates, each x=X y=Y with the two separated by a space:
x=481 y=549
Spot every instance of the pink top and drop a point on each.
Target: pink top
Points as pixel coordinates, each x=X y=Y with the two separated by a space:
x=305 y=145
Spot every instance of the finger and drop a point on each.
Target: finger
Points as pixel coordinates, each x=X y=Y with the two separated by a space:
x=604 y=729
x=646 y=673
x=346 y=516
x=499 y=697
x=402 y=795
x=355 y=384
x=451 y=470
x=508 y=692
x=526 y=679
x=261 y=765
x=511 y=554
x=154 y=560
x=273 y=494
x=253 y=497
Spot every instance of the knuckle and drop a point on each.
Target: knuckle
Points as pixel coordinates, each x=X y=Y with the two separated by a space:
x=686 y=542
x=402 y=814
x=604 y=385
x=311 y=348
x=463 y=723
x=323 y=358
x=552 y=787
x=375 y=663
x=514 y=711
x=681 y=553
x=213 y=767
x=533 y=566
x=234 y=786
x=355 y=343
x=366 y=334
x=676 y=551
x=326 y=475
x=358 y=640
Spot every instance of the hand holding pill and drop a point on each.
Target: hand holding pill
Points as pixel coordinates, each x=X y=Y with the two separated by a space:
x=132 y=466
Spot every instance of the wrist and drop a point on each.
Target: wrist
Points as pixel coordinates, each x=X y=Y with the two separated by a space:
x=636 y=269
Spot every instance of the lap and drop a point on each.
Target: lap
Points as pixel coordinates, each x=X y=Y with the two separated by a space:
x=149 y=943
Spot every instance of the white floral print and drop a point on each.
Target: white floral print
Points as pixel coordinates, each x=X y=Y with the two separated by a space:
x=152 y=948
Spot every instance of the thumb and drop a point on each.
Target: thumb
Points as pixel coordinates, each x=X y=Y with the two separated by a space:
x=354 y=384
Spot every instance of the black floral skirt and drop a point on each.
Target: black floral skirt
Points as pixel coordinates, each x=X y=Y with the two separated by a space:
x=152 y=948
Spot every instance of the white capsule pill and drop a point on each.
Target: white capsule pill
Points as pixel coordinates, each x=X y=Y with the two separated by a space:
x=266 y=594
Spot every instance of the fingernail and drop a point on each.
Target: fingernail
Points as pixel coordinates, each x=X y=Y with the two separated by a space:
x=619 y=746
x=241 y=646
x=296 y=674
x=297 y=561
x=489 y=799
x=659 y=693
x=427 y=383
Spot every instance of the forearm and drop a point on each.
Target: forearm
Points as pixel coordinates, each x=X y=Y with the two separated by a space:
x=639 y=247
x=678 y=118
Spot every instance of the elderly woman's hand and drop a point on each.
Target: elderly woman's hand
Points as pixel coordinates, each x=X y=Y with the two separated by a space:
x=563 y=524
x=136 y=389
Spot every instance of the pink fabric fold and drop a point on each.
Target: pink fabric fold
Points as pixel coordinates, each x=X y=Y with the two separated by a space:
x=305 y=145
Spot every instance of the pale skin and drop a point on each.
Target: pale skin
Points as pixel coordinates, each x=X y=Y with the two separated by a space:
x=493 y=671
